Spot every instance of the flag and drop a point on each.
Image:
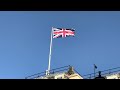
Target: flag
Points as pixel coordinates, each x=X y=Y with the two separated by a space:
x=95 y=66
x=62 y=32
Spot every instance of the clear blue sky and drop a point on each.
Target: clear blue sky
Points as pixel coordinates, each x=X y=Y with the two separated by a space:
x=25 y=40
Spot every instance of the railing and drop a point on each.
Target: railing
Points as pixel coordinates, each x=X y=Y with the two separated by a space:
x=66 y=68
x=103 y=73
x=52 y=71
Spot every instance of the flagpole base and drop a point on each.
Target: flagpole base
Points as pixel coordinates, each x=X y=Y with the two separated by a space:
x=47 y=72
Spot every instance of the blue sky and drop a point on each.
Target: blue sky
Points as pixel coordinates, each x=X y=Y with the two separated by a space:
x=25 y=41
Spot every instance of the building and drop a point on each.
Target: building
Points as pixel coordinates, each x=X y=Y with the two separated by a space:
x=66 y=72
x=113 y=76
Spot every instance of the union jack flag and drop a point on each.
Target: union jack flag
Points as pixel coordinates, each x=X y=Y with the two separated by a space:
x=62 y=32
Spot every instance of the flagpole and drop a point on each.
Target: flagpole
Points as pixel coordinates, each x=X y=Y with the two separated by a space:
x=50 y=53
x=95 y=67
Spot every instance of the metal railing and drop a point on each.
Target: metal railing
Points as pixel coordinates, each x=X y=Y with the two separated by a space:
x=52 y=71
x=66 y=68
x=103 y=73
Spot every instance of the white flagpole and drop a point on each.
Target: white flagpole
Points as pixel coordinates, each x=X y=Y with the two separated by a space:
x=50 y=52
